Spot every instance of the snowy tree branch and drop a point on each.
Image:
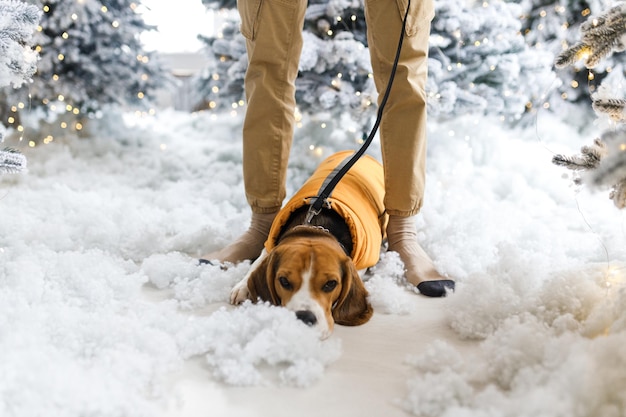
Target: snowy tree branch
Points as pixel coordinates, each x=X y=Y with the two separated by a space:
x=11 y=161
x=605 y=160
x=613 y=107
x=600 y=37
x=589 y=158
x=18 y=22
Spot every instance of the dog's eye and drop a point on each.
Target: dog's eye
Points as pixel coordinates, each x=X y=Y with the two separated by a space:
x=284 y=282
x=329 y=286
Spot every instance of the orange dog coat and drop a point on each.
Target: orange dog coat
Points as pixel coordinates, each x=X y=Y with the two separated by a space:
x=357 y=198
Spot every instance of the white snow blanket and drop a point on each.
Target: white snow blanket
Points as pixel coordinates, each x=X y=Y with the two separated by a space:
x=105 y=312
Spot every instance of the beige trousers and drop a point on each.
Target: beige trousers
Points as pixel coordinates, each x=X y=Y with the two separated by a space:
x=273 y=32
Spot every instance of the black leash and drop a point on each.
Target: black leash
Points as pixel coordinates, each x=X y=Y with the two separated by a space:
x=322 y=198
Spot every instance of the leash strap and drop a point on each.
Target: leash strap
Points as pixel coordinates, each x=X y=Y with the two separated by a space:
x=333 y=179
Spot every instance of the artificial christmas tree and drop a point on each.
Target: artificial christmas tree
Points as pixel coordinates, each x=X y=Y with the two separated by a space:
x=91 y=56
x=479 y=62
x=605 y=162
x=18 y=22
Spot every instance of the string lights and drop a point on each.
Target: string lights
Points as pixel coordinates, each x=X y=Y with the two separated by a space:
x=55 y=44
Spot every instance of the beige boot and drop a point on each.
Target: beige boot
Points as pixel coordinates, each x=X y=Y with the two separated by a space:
x=249 y=245
x=419 y=268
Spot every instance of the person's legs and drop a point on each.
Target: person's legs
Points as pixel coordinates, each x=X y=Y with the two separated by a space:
x=403 y=127
x=273 y=31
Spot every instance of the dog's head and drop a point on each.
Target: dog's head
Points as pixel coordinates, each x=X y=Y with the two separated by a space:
x=309 y=273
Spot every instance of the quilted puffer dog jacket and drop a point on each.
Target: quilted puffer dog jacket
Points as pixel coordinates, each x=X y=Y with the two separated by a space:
x=358 y=198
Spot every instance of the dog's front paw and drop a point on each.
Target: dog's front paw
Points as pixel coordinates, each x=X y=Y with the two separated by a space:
x=239 y=293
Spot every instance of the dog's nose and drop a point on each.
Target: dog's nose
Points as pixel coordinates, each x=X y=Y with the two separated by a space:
x=307 y=317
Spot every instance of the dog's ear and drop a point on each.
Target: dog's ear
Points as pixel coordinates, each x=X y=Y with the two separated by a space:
x=261 y=281
x=352 y=307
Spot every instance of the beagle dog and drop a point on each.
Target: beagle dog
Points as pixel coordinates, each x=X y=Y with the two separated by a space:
x=313 y=269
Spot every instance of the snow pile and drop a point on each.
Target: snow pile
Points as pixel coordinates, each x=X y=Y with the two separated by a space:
x=240 y=341
x=102 y=300
x=541 y=288
x=101 y=296
x=389 y=292
x=76 y=337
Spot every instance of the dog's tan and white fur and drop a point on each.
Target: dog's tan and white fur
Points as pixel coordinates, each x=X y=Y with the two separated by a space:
x=309 y=273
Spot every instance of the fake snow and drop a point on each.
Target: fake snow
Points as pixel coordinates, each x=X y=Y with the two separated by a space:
x=102 y=301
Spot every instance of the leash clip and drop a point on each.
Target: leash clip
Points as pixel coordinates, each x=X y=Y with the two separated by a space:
x=313 y=211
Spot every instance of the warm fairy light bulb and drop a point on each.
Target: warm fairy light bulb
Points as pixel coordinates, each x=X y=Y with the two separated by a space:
x=583 y=53
x=316 y=150
x=613 y=277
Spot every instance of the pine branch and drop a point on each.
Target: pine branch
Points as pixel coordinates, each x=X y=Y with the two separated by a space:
x=575 y=163
x=589 y=158
x=600 y=37
x=571 y=55
x=18 y=21
x=11 y=161
x=599 y=50
x=613 y=107
x=618 y=195
x=611 y=171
